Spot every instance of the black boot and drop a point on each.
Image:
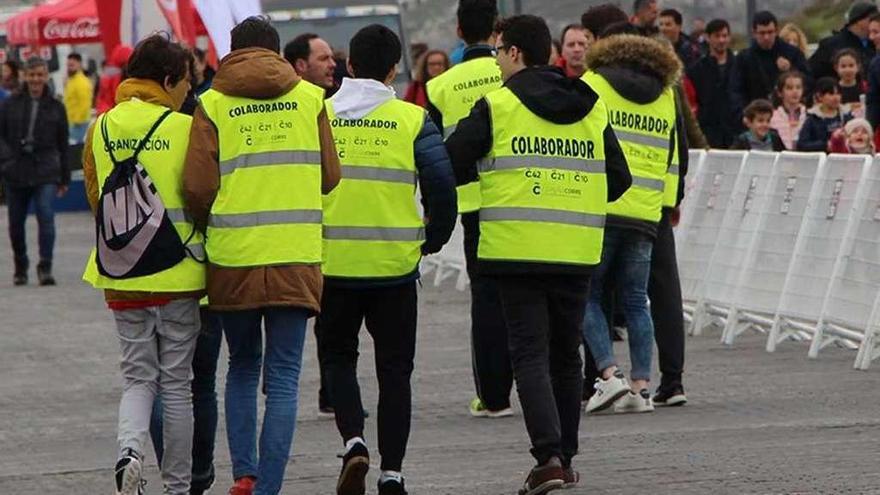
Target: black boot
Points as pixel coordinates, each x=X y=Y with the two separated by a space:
x=44 y=273
x=21 y=272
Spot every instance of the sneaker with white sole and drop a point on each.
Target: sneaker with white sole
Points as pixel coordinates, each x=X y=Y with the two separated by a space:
x=607 y=392
x=128 y=474
x=635 y=403
x=671 y=397
x=478 y=409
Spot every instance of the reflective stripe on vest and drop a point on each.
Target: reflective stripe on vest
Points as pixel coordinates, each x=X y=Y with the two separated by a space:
x=268 y=207
x=542 y=207
x=454 y=93
x=127 y=123
x=372 y=225
x=670 y=194
x=644 y=133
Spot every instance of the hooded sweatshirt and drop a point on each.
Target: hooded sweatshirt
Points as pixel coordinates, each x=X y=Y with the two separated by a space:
x=356 y=99
x=551 y=96
x=817 y=129
x=258 y=74
x=640 y=69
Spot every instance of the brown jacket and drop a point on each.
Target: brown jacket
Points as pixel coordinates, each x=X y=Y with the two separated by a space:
x=150 y=92
x=259 y=74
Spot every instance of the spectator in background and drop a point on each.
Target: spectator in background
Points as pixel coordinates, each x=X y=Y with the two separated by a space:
x=599 y=17
x=872 y=98
x=789 y=116
x=33 y=160
x=707 y=86
x=759 y=136
x=555 y=52
x=203 y=74
x=11 y=82
x=698 y=35
x=416 y=50
x=77 y=98
x=644 y=17
x=432 y=64
x=671 y=28
x=853 y=35
x=855 y=138
x=794 y=36
x=757 y=67
x=852 y=87
x=112 y=76
x=313 y=60
x=824 y=118
x=575 y=42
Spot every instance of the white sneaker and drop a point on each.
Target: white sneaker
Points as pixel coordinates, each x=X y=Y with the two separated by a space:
x=607 y=392
x=128 y=475
x=635 y=403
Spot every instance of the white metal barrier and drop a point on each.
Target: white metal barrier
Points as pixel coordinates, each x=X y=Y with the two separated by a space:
x=702 y=216
x=818 y=256
x=450 y=261
x=787 y=244
x=739 y=227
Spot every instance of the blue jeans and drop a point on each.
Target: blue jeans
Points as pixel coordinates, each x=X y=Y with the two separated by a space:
x=626 y=256
x=285 y=329
x=204 y=400
x=18 y=200
x=77 y=132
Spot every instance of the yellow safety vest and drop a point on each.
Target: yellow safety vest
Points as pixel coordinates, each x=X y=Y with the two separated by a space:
x=163 y=158
x=543 y=186
x=454 y=93
x=372 y=226
x=645 y=134
x=268 y=208
x=670 y=189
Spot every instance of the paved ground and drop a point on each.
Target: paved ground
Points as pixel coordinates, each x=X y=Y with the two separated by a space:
x=757 y=423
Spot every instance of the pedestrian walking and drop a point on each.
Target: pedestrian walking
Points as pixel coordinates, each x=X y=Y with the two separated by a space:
x=34 y=166
x=78 y=96
x=152 y=283
x=548 y=165
x=374 y=238
x=635 y=77
x=451 y=96
x=258 y=198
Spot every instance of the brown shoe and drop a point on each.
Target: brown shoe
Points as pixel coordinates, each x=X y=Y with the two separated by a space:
x=355 y=464
x=544 y=479
x=571 y=477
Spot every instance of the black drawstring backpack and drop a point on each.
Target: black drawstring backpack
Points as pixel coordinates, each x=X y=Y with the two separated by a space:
x=135 y=237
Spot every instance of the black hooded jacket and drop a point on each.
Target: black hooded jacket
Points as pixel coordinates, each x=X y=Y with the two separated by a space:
x=547 y=93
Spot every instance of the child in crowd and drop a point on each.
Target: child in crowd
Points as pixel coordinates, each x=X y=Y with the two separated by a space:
x=789 y=116
x=759 y=136
x=855 y=138
x=852 y=87
x=824 y=118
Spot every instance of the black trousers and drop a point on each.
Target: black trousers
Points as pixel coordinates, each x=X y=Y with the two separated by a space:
x=544 y=315
x=493 y=376
x=390 y=315
x=323 y=391
x=664 y=290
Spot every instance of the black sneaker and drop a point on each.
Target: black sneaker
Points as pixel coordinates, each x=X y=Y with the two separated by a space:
x=670 y=397
x=128 y=474
x=202 y=484
x=355 y=464
x=392 y=487
x=44 y=274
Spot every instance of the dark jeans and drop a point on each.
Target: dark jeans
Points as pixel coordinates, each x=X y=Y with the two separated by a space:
x=324 y=389
x=544 y=315
x=390 y=315
x=664 y=290
x=204 y=401
x=18 y=200
x=493 y=375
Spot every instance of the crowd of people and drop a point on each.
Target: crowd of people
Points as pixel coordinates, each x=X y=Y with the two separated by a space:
x=241 y=201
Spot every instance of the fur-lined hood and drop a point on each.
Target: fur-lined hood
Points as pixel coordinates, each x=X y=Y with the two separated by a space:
x=639 y=68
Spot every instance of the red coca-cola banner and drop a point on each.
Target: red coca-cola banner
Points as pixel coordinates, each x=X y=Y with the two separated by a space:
x=56 y=22
x=79 y=30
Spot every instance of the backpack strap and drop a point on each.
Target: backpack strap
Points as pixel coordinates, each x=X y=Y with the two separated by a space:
x=140 y=145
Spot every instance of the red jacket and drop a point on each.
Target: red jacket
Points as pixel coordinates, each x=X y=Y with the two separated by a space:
x=111 y=78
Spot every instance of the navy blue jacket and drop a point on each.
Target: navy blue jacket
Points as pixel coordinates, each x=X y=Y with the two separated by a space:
x=872 y=98
x=817 y=130
x=437 y=186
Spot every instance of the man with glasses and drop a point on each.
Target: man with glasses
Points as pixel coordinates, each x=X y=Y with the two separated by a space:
x=547 y=162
